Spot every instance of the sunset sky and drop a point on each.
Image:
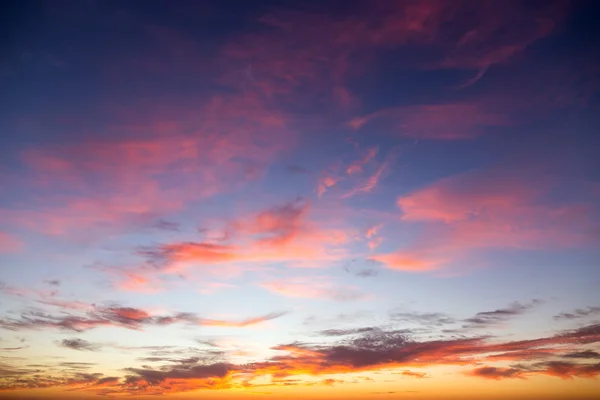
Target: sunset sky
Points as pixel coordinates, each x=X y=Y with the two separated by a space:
x=286 y=199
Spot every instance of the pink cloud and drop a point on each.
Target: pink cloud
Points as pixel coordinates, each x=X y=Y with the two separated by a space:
x=357 y=166
x=10 y=243
x=486 y=210
x=372 y=234
x=440 y=122
x=224 y=143
x=283 y=233
x=313 y=288
x=291 y=55
x=371 y=182
x=325 y=183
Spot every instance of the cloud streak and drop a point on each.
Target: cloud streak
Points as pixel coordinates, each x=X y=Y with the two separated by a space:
x=120 y=317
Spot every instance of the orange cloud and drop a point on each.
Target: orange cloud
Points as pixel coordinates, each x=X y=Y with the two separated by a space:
x=242 y=323
x=414 y=374
x=364 y=350
x=282 y=233
x=405 y=261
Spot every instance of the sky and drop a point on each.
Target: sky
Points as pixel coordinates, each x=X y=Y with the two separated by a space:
x=300 y=199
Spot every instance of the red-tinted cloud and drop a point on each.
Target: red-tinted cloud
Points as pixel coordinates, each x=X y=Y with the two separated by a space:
x=498 y=373
x=290 y=54
x=368 y=349
x=283 y=233
x=125 y=180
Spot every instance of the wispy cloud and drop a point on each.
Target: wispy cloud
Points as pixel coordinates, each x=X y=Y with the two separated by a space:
x=10 y=243
x=453 y=121
x=578 y=313
x=314 y=288
x=486 y=209
x=123 y=317
x=499 y=316
x=79 y=344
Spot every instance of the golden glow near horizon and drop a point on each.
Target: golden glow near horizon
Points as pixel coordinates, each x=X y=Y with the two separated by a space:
x=300 y=200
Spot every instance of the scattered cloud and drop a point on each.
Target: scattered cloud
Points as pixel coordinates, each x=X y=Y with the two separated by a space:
x=578 y=313
x=79 y=344
x=349 y=331
x=167 y=225
x=426 y=319
x=499 y=316
x=414 y=374
x=497 y=373
x=123 y=317
x=358 y=349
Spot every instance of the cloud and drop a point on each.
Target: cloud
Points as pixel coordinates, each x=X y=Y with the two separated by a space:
x=288 y=56
x=122 y=317
x=363 y=272
x=578 y=313
x=346 y=332
x=281 y=233
x=10 y=243
x=501 y=315
x=242 y=323
x=426 y=319
x=195 y=372
x=487 y=209
x=366 y=349
x=357 y=165
x=414 y=374
x=278 y=225
x=296 y=170
x=326 y=182
x=208 y=150
x=566 y=370
x=313 y=288
x=497 y=373
x=79 y=344
x=167 y=225
x=370 y=184
x=587 y=354
x=452 y=121
x=13 y=348
x=560 y=369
